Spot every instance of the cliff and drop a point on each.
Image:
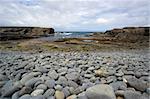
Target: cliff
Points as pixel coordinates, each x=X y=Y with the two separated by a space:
x=126 y=34
x=7 y=33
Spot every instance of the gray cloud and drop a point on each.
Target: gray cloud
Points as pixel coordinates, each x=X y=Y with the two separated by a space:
x=75 y=14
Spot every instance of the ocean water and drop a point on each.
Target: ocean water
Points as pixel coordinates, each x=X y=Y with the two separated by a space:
x=60 y=35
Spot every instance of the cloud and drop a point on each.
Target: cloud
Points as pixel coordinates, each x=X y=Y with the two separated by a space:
x=74 y=14
x=103 y=21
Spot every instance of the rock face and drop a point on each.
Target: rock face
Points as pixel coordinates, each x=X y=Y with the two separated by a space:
x=7 y=33
x=127 y=34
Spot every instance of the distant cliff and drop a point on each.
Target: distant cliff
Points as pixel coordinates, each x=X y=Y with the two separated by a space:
x=126 y=34
x=7 y=33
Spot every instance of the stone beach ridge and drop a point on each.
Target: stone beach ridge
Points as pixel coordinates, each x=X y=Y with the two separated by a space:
x=75 y=75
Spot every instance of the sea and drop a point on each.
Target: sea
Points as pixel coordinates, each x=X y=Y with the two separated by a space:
x=62 y=35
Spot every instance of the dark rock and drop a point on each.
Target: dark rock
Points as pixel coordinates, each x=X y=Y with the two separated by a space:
x=23 y=32
x=25 y=90
x=137 y=84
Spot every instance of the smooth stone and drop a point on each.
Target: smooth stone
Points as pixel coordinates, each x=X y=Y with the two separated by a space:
x=26 y=96
x=38 y=97
x=62 y=81
x=38 y=83
x=37 y=92
x=66 y=91
x=50 y=83
x=118 y=85
x=88 y=75
x=137 y=84
x=72 y=97
x=79 y=90
x=41 y=69
x=72 y=76
x=6 y=86
x=41 y=86
x=119 y=74
x=53 y=74
x=82 y=96
x=25 y=90
x=29 y=76
x=101 y=73
x=119 y=93
x=17 y=86
x=132 y=95
x=119 y=97
x=31 y=82
x=148 y=91
x=49 y=92
x=111 y=79
x=58 y=87
x=15 y=95
x=101 y=91
x=51 y=97
x=72 y=84
x=59 y=95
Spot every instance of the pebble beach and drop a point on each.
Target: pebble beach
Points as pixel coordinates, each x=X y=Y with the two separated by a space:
x=75 y=75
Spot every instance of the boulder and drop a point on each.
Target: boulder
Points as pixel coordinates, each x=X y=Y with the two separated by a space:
x=137 y=84
x=101 y=91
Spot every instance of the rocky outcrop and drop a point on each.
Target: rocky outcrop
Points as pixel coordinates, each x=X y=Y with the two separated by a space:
x=130 y=33
x=7 y=33
x=126 y=34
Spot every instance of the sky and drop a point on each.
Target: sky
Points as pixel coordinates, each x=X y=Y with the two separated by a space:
x=75 y=15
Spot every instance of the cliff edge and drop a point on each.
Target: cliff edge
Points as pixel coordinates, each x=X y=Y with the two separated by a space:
x=9 y=33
